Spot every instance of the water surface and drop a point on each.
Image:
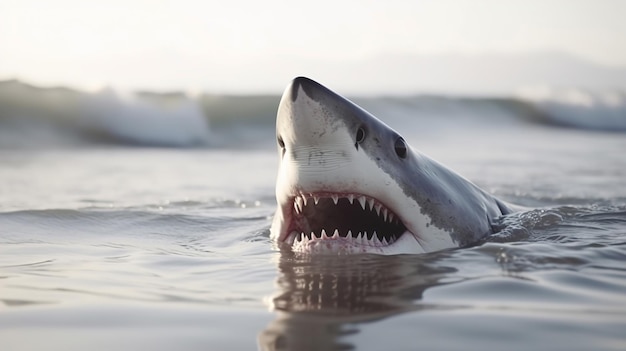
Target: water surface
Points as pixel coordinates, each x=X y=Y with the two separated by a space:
x=109 y=246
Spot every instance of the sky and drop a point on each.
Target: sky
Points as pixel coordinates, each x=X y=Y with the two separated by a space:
x=257 y=46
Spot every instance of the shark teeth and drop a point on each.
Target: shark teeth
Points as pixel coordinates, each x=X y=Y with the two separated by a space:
x=338 y=217
x=360 y=238
x=377 y=207
x=362 y=201
x=367 y=203
x=316 y=199
x=298 y=204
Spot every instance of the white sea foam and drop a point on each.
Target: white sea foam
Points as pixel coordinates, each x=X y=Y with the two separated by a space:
x=133 y=119
x=32 y=116
x=579 y=108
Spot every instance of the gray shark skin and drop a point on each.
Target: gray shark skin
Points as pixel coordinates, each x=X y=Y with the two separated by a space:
x=347 y=183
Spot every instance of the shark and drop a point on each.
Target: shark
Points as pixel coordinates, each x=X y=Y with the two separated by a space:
x=347 y=183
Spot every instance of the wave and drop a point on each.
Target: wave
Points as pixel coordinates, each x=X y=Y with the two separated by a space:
x=34 y=116
x=579 y=108
x=158 y=120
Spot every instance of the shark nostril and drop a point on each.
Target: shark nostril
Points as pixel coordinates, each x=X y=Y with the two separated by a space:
x=281 y=144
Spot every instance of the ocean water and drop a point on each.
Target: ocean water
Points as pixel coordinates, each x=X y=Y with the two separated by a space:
x=142 y=222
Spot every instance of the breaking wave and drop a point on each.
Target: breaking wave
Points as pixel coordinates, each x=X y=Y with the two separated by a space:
x=33 y=116
x=146 y=121
x=580 y=109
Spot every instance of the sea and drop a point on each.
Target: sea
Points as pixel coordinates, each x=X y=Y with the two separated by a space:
x=140 y=221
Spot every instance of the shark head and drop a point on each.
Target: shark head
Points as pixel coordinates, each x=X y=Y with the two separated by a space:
x=347 y=183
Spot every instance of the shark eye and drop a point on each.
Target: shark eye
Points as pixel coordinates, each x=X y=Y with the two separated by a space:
x=360 y=135
x=400 y=147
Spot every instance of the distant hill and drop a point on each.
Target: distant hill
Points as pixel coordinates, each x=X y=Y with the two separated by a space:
x=391 y=74
x=503 y=74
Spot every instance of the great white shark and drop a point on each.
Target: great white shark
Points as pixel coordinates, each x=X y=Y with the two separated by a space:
x=347 y=183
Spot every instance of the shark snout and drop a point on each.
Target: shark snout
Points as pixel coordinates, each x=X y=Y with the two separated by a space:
x=310 y=118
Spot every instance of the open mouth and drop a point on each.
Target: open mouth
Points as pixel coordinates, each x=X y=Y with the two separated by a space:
x=349 y=218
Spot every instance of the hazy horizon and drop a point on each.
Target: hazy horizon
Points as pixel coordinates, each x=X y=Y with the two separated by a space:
x=481 y=47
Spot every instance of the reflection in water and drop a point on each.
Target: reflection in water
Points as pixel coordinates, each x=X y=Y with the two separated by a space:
x=321 y=299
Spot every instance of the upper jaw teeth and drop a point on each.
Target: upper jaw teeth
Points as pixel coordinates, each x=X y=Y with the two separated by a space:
x=362 y=201
x=298 y=204
x=316 y=199
x=302 y=200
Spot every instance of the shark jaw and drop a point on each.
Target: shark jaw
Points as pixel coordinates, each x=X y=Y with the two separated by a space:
x=342 y=223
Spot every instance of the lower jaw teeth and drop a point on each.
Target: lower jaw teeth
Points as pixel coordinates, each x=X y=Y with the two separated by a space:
x=361 y=238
